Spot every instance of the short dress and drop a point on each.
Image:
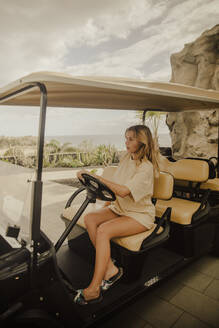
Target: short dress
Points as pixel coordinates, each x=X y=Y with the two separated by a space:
x=139 y=180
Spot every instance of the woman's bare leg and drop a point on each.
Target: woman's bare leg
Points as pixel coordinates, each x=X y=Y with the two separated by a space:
x=92 y=221
x=119 y=227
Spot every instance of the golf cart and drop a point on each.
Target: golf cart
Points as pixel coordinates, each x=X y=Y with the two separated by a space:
x=38 y=280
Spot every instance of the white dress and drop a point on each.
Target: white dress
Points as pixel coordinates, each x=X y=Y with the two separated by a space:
x=139 y=180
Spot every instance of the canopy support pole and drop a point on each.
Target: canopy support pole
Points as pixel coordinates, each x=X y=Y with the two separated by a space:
x=36 y=199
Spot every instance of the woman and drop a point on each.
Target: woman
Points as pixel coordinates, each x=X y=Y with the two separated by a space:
x=132 y=212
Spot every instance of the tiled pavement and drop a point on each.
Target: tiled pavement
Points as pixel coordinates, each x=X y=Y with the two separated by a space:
x=190 y=299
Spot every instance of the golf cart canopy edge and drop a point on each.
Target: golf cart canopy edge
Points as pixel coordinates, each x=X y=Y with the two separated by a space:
x=64 y=90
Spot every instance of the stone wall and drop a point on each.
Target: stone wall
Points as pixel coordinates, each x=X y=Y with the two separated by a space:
x=197 y=65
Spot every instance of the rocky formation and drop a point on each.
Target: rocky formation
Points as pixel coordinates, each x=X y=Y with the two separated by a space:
x=196 y=65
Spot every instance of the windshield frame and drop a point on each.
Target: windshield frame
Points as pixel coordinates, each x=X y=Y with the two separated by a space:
x=36 y=195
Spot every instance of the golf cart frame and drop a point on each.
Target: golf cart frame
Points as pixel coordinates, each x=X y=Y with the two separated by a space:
x=37 y=273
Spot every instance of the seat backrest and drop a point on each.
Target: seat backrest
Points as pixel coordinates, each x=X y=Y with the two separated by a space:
x=211 y=165
x=186 y=169
x=163 y=185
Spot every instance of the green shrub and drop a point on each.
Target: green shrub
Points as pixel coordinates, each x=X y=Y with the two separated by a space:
x=68 y=162
x=56 y=155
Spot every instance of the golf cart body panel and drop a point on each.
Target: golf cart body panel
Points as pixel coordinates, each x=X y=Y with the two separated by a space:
x=39 y=270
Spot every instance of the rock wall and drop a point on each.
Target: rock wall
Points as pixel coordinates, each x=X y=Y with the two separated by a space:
x=197 y=65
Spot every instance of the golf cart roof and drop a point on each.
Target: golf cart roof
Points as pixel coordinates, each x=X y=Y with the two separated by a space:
x=64 y=90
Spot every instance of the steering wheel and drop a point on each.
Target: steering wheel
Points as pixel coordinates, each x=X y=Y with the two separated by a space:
x=96 y=187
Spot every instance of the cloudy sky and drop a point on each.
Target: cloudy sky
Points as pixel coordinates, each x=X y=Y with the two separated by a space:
x=132 y=38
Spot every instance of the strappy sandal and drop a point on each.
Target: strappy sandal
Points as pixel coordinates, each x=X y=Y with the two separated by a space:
x=106 y=284
x=80 y=299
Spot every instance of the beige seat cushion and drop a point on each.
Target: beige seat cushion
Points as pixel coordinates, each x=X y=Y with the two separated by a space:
x=185 y=169
x=132 y=243
x=163 y=186
x=182 y=209
x=183 y=183
x=212 y=184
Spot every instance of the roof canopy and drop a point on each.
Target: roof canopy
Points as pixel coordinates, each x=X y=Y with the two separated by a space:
x=65 y=90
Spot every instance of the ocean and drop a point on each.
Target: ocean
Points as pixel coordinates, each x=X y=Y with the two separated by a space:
x=114 y=140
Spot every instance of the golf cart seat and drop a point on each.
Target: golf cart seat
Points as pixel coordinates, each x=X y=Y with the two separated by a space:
x=163 y=188
x=212 y=184
x=191 y=230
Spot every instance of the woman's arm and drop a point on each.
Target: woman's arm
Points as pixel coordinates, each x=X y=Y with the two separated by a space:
x=119 y=190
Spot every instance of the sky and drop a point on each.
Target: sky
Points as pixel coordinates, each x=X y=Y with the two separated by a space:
x=125 y=38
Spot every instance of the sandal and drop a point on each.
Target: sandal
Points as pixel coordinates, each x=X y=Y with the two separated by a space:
x=80 y=299
x=106 y=284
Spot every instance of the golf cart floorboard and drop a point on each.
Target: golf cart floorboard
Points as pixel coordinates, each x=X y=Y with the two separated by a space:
x=78 y=271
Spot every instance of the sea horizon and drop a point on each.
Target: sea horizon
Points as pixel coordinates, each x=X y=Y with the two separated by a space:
x=107 y=139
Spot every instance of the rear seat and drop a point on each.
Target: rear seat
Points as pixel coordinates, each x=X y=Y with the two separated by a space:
x=184 y=171
x=163 y=188
x=191 y=230
x=212 y=184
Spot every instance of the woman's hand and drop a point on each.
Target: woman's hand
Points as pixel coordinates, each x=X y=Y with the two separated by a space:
x=118 y=189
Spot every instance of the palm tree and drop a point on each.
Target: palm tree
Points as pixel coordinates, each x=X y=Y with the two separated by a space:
x=54 y=146
x=153 y=118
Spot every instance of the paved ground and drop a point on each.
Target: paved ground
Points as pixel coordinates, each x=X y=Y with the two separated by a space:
x=189 y=300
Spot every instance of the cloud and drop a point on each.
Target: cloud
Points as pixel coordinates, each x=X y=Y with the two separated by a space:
x=99 y=37
x=149 y=57
x=43 y=35
x=38 y=36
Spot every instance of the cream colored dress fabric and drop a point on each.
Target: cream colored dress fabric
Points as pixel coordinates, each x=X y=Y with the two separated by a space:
x=139 y=180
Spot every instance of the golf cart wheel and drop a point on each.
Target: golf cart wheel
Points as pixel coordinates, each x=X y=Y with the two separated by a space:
x=34 y=318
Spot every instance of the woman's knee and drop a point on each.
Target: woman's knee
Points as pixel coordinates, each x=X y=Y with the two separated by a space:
x=103 y=231
x=89 y=220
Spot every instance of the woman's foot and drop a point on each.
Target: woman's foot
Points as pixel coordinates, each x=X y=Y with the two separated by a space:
x=88 y=296
x=107 y=283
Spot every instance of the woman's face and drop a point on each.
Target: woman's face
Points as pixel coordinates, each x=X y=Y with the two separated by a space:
x=132 y=145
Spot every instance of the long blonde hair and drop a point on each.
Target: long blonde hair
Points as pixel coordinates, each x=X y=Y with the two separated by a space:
x=147 y=149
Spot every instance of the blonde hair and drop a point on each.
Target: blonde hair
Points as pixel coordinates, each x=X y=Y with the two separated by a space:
x=147 y=148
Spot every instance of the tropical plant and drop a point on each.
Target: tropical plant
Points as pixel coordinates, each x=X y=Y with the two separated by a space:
x=153 y=119
x=58 y=155
x=16 y=153
x=86 y=146
x=68 y=162
x=105 y=155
